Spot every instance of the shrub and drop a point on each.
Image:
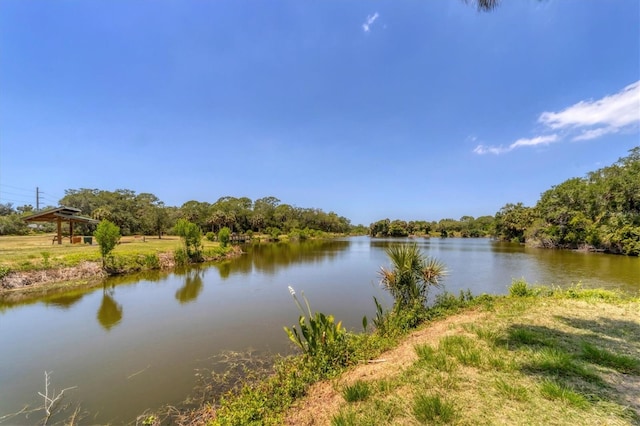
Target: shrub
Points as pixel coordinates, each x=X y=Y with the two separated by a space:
x=151 y=261
x=224 y=236
x=4 y=271
x=107 y=235
x=274 y=233
x=192 y=237
x=210 y=236
x=520 y=288
x=180 y=257
x=13 y=225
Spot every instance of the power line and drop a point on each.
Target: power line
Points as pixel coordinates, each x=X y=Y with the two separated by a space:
x=15 y=201
x=11 y=193
x=34 y=196
x=15 y=187
x=46 y=193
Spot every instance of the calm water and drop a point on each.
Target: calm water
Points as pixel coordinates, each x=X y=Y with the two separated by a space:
x=138 y=342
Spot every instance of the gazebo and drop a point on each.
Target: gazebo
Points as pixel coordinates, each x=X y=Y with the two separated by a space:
x=59 y=215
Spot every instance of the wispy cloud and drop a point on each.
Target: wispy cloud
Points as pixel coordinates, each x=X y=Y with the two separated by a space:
x=589 y=119
x=540 y=140
x=369 y=22
x=482 y=149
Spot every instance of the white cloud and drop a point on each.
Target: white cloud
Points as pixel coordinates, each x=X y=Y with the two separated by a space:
x=614 y=112
x=539 y=140
x=369 y=21
x=481 y=149
x=590 y=119
x=594 y=133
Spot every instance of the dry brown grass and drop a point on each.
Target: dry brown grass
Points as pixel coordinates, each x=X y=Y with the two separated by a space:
x=84 y=271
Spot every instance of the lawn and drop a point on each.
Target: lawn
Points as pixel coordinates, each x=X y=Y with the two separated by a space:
x=33 y=252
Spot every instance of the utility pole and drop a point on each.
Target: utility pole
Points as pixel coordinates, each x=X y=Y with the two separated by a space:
x=37 y=199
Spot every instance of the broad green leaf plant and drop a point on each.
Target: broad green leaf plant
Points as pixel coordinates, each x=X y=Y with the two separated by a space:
x=318 y=332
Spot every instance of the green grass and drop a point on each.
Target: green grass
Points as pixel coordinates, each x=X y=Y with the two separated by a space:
x=525 y=336
x=359 y=391
x=605 y=358
x=431 y=409
x=346 y=418
x=555 y=390
x=35 y=252
x=462 y=348
x=508 y=390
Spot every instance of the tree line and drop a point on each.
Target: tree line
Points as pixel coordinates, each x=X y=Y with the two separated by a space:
x=600 y=211
x=145 y=213
x=466 y=227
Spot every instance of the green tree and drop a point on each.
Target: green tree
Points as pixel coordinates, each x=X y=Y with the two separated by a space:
x=380 y=228
x=13 y=224
x=600 y=211
x=107 y=235
x=512 y=221
x=191 y=235
x=6 y=209
x=196 y=212
x=398 y=228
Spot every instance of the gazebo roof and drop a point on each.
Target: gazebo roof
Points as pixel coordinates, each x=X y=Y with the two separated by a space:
x=65 y=213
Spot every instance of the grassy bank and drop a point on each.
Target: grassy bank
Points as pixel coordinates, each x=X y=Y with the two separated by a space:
x=27 y=262
x=36 y=252
x=536 y=357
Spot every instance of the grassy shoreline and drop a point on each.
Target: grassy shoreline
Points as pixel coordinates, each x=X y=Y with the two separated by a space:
x=31 y=264
x=538 y=356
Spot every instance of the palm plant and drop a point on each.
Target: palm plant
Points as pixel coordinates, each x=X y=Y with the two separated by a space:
x=411 y=276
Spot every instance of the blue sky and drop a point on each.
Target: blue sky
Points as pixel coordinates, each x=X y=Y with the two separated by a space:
x=401 y=109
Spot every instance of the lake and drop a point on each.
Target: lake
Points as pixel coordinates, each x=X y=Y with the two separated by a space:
x=139 y=342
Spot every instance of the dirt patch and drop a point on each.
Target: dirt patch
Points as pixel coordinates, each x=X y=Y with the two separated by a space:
x=20 y=280
x=324 y=398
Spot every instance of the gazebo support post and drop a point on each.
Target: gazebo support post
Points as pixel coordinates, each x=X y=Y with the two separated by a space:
x=71 y=231
x=59 y=231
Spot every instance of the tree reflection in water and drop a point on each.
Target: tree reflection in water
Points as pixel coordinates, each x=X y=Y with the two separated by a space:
x=110 y=312
x=192 y=287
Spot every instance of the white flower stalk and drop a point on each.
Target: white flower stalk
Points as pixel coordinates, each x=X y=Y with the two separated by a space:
x=295 y=299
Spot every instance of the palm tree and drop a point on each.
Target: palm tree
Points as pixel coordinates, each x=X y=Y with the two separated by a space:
x=411 y=276
x=485 y=5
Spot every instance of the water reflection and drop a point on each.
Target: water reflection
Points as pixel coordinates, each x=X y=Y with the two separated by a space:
x=224 y=269
x=153 y=275
x=64 y=301
x=271 y=257
x=110 y=311
x=192 y=287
